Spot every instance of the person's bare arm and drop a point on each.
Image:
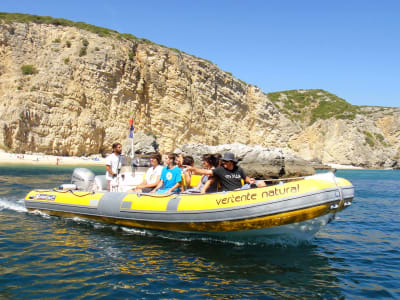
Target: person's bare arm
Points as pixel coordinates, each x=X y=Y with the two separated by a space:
x=173 y=188
x=144 y=184
x=188 y=178
x=160 y=184
x=108 y=169
x=207 y=184
x=249 y=180
x=199 y=171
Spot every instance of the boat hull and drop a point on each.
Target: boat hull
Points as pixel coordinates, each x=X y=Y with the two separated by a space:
x=241 y=213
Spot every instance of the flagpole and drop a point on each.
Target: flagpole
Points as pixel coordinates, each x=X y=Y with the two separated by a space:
x=132 y=149
x=131 y=129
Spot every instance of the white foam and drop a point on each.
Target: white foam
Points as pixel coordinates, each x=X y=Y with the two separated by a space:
x=80 y=220
x=40 y=213
x=15 y=206
x=135 y=231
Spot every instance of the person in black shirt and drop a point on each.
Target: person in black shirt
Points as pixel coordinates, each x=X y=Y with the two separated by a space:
x=229 y=175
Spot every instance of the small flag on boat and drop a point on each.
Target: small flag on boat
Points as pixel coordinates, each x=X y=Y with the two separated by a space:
x=131 y=129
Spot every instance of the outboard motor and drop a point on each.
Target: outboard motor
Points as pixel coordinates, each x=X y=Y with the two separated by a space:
x=100 y=183
x=83 y=179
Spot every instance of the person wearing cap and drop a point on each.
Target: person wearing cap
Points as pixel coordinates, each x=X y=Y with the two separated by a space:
x=229 y=175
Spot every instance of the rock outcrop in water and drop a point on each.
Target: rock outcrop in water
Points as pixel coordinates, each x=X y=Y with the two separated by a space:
x=68 y=91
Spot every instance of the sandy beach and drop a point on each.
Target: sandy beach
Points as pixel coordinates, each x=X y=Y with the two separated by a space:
x=42 y=159
x=344 y=167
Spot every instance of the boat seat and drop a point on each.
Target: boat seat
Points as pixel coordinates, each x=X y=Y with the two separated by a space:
x=100 y=182
x=183 y=182
x=194 y=180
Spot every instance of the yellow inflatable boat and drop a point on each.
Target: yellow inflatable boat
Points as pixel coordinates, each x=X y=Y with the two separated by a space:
x=295 y=208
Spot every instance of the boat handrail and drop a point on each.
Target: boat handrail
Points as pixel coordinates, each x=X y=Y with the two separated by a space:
x=283 y=179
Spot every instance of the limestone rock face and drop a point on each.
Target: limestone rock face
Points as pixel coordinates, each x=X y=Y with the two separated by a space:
x=368 y=141
x=84 y=88
x=142 y=144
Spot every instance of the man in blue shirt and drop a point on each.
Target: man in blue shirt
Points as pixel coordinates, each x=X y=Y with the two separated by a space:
x=171 y=177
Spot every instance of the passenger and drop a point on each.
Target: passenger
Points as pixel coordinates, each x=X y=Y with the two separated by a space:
x=218 y=161
x=113 y=163
x=207 y=184
x=179 y=160
x=152 y=177
x=229 y=175
x=171 y=176
x=187 y=161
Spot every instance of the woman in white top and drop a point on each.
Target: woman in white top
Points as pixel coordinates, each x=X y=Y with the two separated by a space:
x=152 y=177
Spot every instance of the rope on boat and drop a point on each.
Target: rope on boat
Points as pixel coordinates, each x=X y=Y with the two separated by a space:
x=284 y=179
x=72 y=192
x=340 y=190
x=155 y=195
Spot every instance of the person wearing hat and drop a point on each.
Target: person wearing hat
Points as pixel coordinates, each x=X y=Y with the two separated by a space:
x=229 y=175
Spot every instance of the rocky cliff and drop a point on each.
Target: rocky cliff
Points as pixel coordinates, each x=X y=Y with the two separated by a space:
x=69 y=91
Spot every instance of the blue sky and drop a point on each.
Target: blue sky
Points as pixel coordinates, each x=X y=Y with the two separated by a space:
x=347 y=47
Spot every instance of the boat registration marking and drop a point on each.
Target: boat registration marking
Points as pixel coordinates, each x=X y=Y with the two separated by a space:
x=45 y=197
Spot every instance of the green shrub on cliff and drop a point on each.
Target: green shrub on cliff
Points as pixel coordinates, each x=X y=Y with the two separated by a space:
x=379 y=137
x=103 y=32
x=312 y=105
x=369 y=139
x=28 y=70
x=25 y=18
x=83 y=51
x=338 y=108
x=131 y=55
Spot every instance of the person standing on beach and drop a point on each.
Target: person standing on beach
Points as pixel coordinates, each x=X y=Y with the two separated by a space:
x=113 y=163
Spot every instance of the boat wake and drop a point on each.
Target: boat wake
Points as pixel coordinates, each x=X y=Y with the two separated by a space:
x=18 y=206
x=277 y=240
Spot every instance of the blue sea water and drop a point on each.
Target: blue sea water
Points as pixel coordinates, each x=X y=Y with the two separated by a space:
x=356 y=256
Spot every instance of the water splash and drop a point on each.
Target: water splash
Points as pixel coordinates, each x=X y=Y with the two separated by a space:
x=135 y=231
x=40 y=213
x=17 y=206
